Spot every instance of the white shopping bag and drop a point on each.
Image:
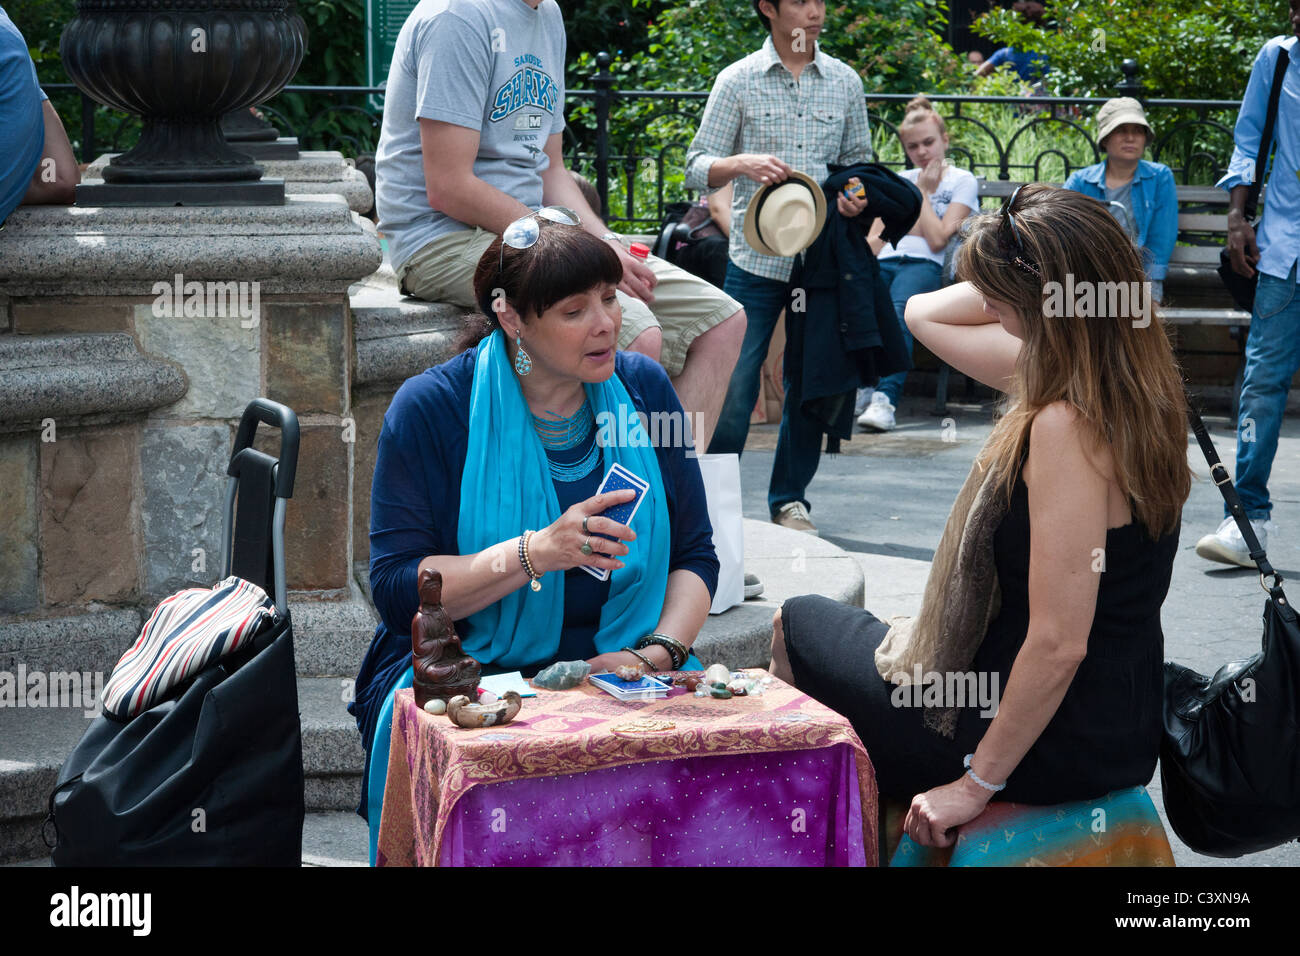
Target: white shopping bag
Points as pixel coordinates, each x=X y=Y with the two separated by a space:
x=722 y=489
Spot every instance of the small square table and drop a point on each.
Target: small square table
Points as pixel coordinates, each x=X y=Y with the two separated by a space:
x=581 y=779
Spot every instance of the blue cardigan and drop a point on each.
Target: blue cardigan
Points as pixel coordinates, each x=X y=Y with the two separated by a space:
x=415 y=505
x=1155 y=208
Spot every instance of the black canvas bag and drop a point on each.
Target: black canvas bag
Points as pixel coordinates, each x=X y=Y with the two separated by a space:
x=212 y=775
x=1241 y=288
x=1230 y=748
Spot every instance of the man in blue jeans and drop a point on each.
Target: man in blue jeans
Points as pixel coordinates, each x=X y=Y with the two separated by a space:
x=1273 y=345
x=786 y=106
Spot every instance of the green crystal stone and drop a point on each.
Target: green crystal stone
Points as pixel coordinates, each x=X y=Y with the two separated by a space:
x=562 y=675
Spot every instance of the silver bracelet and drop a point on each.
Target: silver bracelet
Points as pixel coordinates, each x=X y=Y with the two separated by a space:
x=976 y=777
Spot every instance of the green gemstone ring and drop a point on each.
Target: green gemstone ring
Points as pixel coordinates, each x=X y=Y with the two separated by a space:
x=586 y=547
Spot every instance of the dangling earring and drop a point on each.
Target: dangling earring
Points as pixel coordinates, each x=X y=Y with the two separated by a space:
x=523 y=362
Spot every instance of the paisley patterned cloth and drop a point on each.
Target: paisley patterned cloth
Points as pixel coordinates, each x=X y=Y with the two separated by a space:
x=1120 y=829
x=581 y=778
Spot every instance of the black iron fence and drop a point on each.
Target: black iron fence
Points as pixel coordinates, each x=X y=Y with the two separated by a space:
x=632 y=143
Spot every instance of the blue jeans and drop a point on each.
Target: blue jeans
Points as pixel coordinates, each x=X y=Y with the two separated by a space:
x=907 y=276
x=1272 y=358
x=798 y=445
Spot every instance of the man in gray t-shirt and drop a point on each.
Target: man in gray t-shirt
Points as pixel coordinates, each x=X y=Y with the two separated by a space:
x=472 y=140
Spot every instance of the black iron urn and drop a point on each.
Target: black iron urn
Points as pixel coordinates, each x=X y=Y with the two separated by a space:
x=181 y=65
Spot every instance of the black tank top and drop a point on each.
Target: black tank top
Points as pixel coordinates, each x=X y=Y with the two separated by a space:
x=1106 y=733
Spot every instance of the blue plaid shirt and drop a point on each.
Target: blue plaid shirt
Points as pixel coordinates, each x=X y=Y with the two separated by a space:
x=757 y=106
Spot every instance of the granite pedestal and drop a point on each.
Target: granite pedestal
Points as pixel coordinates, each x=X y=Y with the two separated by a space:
x=131 y=339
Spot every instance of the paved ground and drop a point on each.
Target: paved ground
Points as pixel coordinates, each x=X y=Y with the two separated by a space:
x=886 y=498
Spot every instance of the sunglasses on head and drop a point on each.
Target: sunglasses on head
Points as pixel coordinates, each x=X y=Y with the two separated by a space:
x=523 y=232
x=1009 y=222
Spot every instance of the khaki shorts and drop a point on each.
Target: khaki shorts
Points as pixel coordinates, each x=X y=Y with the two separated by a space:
x=684 y=307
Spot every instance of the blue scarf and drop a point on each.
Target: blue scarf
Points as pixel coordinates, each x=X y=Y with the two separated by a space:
x=507 y=488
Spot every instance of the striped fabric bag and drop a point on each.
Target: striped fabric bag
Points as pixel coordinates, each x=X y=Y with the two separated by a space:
x=187 y=632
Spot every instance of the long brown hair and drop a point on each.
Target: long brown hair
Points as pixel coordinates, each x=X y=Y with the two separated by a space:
x=1117 y=371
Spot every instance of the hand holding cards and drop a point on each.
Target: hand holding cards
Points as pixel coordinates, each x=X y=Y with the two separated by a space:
x=617 y=479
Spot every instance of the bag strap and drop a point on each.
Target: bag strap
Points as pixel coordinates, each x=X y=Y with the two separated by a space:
x=1266 y=140
x=1220 y=475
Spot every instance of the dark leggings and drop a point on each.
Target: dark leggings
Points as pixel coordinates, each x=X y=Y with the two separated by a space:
x=832 y=649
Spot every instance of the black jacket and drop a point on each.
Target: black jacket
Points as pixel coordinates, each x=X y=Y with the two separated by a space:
x=841 y=330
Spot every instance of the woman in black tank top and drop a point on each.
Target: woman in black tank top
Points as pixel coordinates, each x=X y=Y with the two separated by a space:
x=1090 y=457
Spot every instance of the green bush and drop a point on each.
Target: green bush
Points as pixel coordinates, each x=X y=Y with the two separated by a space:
x=1186 y=49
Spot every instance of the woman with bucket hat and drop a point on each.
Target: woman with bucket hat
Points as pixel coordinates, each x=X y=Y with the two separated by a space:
x=1141 y=194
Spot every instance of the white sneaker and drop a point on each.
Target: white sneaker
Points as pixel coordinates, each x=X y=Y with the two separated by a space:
x=795 y=516
x=1227 y=545
x=879 y=415
x=863 y=400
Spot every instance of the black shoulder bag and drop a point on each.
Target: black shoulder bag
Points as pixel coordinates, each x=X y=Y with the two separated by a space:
x=1230 y=748
x=1239 y=287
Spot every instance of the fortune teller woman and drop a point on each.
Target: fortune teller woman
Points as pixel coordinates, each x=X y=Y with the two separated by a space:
x=1048 y=579
x=487 y=471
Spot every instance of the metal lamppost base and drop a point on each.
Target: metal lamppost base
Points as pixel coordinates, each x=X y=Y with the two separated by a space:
x=263 y=192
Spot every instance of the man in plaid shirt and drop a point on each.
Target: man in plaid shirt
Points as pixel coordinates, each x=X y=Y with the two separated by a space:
x=786 y=106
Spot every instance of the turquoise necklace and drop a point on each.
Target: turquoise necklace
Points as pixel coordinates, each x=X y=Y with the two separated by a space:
x=562 y=434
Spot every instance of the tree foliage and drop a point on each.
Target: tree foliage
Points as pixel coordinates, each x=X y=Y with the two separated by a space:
x=1185 y=49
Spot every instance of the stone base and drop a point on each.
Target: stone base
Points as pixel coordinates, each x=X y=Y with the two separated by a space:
x=264 y=192
x=286 y=147
x=310 y=173
x=331 y=637
x=310 y=247
x=87 y=642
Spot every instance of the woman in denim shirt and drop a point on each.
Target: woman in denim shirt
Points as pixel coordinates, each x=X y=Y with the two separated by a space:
x=1144 y=190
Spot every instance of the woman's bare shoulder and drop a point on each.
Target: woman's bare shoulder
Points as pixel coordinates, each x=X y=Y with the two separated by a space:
x=1061 y=437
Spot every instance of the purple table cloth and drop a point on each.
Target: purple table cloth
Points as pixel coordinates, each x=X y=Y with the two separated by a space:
x=580 y=778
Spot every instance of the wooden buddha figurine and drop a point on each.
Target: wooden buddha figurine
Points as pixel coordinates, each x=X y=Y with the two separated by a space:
x=442 y=669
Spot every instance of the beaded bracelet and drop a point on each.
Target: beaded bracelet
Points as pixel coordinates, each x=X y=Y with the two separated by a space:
x=974 y=776
x=677 y=651
x=535 y=582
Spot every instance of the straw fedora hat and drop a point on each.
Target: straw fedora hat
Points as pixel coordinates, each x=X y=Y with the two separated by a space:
x=784 y=218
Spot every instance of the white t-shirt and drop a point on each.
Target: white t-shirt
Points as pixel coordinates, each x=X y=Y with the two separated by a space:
x=957 y=185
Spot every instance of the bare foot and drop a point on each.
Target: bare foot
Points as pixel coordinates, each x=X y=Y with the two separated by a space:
x=780 y=664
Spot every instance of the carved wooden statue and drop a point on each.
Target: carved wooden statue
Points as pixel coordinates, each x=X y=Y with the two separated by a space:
x=442 y=669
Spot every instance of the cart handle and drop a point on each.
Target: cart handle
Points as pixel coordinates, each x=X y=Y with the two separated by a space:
x=282 y=417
